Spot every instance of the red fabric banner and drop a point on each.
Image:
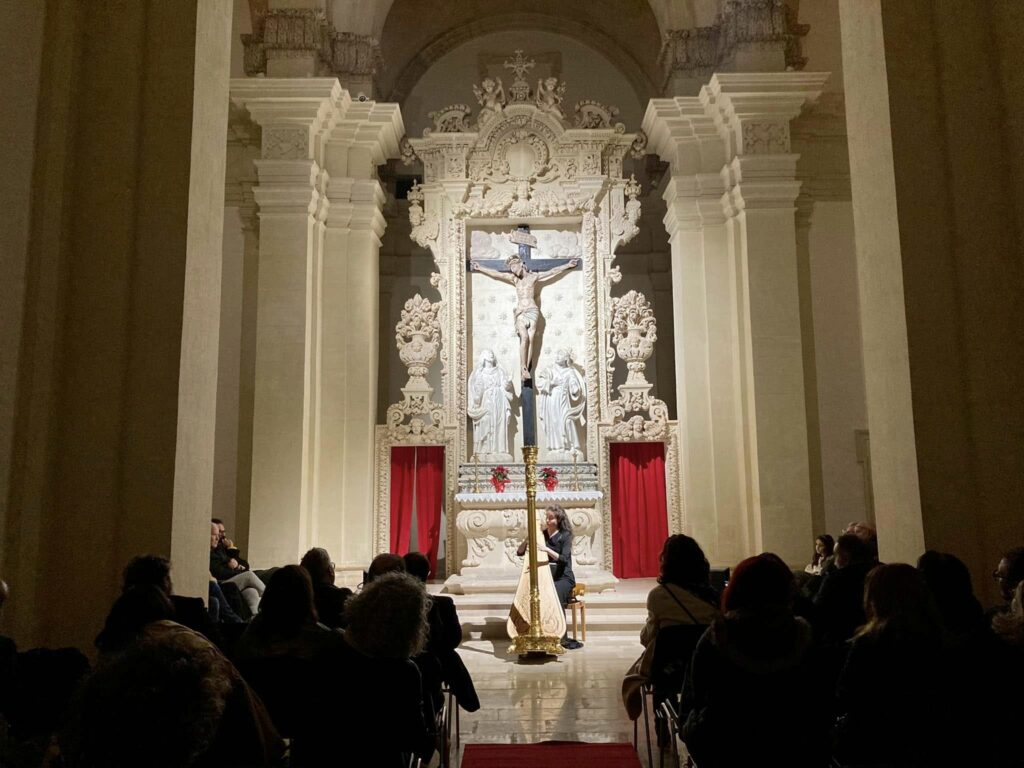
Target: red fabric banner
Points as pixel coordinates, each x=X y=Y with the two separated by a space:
x=429 y=493
x=639 y=508
x=403 y=477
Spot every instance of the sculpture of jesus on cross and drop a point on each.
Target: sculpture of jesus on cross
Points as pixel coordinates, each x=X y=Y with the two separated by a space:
x=526 y=283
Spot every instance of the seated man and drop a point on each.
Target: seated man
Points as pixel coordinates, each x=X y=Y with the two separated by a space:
x=445 y=636
x=330 y=599
x=226 y=568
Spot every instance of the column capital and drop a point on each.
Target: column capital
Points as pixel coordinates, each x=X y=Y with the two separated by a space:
x=293 y=113
x=376 y=126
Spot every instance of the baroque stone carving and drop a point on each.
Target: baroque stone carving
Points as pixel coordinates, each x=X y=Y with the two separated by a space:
x=355 y=54
x=520 y=88
x=624 y=223
x=593 y=114
x=638 y=148
x=562 y=406
x=550 y=93
x=451 y=119
x=424 y=228
x=489 y=408
x=285 y=143
x=491 y=97
x=766 y=138
x=418 y=336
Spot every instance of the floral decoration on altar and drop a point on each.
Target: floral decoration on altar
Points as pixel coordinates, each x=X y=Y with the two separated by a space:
x=549 y=476
x=499 y=477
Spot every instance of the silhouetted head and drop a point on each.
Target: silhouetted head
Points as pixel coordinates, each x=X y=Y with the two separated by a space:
x=683 y=562
x=148 y=569
x=851 y=549
x=417 y=564
x=759 y=582
x=897 y=602
x=385 y=563
x=1010 y=572
x=132 y=611
x=388 y=618
x=287 y=603
x=319 y=565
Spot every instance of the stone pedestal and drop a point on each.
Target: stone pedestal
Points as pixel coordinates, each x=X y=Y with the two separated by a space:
x=494 y=524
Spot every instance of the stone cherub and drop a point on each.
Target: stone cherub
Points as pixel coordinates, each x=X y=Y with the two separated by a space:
x=549 y=96
x=492 y=95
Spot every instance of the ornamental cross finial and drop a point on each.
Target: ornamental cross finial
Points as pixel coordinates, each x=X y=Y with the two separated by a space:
x=519 y=65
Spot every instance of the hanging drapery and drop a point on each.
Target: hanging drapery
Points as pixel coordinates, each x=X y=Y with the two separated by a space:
x=639 y=509
x=417 y=475
x=429 y=493
x=403 y=478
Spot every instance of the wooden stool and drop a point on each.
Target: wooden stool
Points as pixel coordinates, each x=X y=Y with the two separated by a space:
x=576 y=600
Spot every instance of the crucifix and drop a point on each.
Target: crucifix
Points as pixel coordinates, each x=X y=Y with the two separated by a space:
x=526 y=275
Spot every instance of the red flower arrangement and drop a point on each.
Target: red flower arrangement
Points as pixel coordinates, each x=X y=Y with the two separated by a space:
x=549 y=476
x=499 y=477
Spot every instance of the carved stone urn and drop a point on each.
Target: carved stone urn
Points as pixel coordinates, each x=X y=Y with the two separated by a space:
x=634 y=332
x=418 y=340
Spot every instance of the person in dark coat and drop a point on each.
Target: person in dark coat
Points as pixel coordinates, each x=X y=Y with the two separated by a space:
x=445 y=636
x=754 y=691
x=188 y=611
x=329 y=598
x=839 y=603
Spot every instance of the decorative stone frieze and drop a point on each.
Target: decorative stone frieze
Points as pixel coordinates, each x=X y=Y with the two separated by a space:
x=748 y=35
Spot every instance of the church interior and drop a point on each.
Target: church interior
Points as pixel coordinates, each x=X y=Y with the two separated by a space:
x=391 y=276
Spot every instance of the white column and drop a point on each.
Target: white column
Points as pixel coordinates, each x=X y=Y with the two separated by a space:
x=739 y=365
x=293 y=116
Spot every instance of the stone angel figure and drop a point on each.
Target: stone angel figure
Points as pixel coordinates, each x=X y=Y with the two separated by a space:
x=492 y=95
x=549 y=96
x=562 y=405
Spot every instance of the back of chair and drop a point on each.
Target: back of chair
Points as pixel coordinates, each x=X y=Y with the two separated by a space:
x=673 y=651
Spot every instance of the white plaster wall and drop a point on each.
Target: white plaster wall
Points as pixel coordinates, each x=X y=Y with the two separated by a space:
x=587 y=73
x=838 y=361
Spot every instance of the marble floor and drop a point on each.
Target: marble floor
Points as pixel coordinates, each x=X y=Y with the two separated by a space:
x=573 y=697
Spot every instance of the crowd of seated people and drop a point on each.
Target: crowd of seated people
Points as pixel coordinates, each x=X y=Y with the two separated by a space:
x=316 y=671
x=869 y=664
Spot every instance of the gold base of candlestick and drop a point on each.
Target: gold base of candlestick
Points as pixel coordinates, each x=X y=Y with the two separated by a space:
x=534 y=642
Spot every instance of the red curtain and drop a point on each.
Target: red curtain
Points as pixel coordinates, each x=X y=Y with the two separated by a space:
x=429 y=492
x=639 y=509
x=417 y=473
x=403 y=476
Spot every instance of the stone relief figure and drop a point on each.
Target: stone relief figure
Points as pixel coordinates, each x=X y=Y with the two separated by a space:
x=492 y=95
x=563 y=402
x=489 y=406
x=550 y=95
x=527 y=314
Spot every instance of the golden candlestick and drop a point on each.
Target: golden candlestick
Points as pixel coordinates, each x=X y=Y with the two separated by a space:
x=534 y=641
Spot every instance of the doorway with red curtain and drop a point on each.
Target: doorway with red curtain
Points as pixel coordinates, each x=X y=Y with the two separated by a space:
x=639 y=508
x=417 y=484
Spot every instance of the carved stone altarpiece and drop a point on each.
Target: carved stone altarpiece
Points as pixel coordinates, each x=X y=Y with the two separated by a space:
x=527 y=158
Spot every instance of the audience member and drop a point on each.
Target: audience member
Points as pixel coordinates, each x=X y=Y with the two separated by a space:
x=287 y=623
x=219 y=607
x=867 y=534
x=387 y=625
x=137 y=607
x=1008 y=574
x=329 y=599
x=823 y=548
x=169 y=699
x=838 y=604
x=384 y=563
x=753 y=676
x=155 y=571
x=892 y=669
x=683 y=597
x=227 y=568
x=445 y=635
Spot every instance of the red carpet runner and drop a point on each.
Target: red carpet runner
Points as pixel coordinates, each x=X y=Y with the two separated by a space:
x=550 y=754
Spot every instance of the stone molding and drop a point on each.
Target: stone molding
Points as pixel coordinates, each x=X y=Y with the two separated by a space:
x=761 y=25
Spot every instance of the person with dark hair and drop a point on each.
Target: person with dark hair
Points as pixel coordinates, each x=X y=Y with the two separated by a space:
x=169 y=699
x=838 y=605
x=752 y=673
x=227 y=568
x=1008 y=574
x=385 y=562
x=189 y=611
x=683 y=597
x=387 y=626
x=445 y=635
x=329 y=598
x=287 y=623
x=824 y=545
x=558 y=545
x=137 y=607
x=893 y=667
